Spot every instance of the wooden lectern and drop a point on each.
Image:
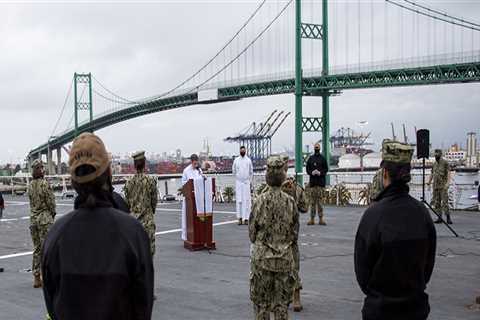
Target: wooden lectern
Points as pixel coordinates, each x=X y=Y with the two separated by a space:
x=199 y=227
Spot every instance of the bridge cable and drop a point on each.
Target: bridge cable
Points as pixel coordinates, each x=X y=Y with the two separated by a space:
x=441 y=13
x=112 y=93
x=63 y=108
x=432 y=16
x=246 y=48
x=215 y=56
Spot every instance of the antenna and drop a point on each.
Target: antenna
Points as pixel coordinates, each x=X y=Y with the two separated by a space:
x=393 y=132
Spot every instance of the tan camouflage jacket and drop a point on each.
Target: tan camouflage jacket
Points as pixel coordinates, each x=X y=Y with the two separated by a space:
x=273 y=229
x=42 y=202
x=292 y=188
x=141 y=195
x=440 y=171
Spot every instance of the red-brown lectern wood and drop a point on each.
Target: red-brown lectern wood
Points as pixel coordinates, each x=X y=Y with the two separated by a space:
x=199 y=226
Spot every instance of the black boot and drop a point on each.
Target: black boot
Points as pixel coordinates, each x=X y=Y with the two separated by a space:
x=449 y=221
x=439 y=220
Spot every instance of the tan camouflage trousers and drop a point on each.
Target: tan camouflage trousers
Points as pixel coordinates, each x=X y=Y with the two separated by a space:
x=315 y=201
x=270 y=292
x=38 y=233
x=440 y=201
x=150 y=229
x=296 y=268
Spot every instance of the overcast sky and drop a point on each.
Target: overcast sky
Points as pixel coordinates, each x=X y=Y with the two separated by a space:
x=144 y=49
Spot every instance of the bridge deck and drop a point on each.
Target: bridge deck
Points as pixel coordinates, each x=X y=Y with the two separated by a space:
x=312 y=85
x=215 y=286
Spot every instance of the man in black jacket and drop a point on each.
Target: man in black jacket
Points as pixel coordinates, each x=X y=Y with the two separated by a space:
x=96 y=261
x=395 y=245
x=317 y=169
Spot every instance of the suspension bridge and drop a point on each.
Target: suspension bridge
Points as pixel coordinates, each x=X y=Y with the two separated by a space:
x=308 y=48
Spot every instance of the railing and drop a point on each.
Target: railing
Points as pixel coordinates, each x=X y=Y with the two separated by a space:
x=461 y=190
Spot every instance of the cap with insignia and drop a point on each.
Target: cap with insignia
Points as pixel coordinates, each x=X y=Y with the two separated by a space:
x=37 y=163
x=88 y=150
x=438 y=152
x=139 y=155
x=397 y=152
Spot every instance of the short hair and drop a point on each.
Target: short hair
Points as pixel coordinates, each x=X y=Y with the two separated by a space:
x=194 y=157
x=139 y=164
x=93 y=192
x=398 y=172
x=242 y=147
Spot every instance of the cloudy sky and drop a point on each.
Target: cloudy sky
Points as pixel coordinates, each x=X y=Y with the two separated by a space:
x=141 y=49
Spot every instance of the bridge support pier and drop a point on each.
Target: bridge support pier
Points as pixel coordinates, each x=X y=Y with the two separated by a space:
x=50 y=162
x=59 y=160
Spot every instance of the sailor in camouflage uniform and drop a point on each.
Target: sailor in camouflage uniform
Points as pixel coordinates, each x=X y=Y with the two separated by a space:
x=42 y=207
x=273 y=231
x=141 y=195
x=441 y=180
x=291 y=187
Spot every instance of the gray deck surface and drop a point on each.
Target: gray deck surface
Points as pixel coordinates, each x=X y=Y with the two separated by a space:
x=205 y=286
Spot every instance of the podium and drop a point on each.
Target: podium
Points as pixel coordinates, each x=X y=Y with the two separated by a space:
x=199 y=225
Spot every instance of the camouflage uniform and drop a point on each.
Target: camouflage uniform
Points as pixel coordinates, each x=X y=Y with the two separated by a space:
x=263 y=187
x=440 y=173
x=141 y=195
x=315 y=201
x=273 y=231
x=291 y=188
x=42 y=207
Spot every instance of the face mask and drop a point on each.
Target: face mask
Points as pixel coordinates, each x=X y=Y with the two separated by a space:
x=242 y=153
x=437 y=158
x=317 y=150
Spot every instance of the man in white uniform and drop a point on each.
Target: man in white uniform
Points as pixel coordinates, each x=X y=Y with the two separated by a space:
x=243 y=171
x=193 y=171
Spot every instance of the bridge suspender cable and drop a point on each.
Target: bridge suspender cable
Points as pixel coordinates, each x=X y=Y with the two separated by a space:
x=472 y=27
x=441 y=13
x=63 y=108
x=216 y=55
x=246 y=48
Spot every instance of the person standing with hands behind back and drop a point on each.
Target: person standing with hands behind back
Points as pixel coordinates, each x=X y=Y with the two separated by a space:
x=317 y=169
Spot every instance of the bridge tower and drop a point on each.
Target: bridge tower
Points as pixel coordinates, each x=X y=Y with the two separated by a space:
x=81 y=103
x=311 y=31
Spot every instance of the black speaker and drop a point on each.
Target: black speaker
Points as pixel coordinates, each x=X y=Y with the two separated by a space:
x=423 y=143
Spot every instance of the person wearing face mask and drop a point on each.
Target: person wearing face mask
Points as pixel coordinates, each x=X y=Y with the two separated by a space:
x=242 y=169
x=395 y=245
x=192 y=171
x=317 y=169
x=441 y=180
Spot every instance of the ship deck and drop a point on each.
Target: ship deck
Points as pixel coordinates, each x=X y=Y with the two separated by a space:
x=215 y=285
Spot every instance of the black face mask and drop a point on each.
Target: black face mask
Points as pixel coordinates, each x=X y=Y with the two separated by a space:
x=242 y=154
x=437 y=158
x=317 y=151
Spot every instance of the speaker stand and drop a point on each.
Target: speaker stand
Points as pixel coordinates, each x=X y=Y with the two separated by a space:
x=429 y=206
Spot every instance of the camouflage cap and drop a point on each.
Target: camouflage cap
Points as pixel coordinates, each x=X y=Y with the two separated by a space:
x=438 y=152
x=394 y=151
x=275 y=162
x=139 y=155
x=284 y=157
x=88 y=149
x=37 y=163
